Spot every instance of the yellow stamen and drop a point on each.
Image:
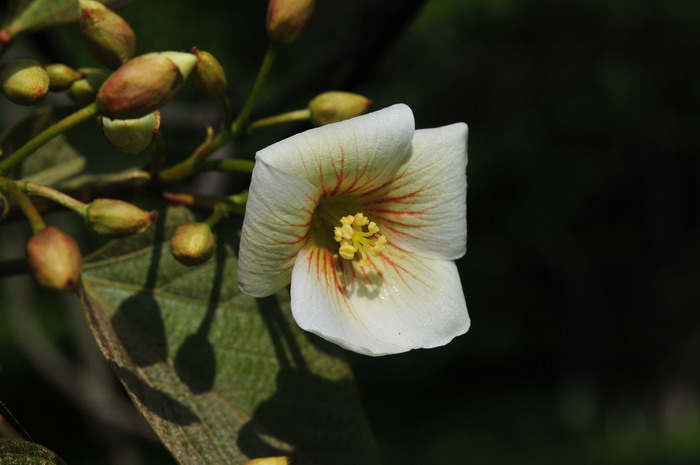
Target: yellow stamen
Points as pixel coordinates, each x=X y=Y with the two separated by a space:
x=354 y=239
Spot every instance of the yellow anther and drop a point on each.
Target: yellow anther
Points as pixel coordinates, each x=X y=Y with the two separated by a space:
x=353 y=239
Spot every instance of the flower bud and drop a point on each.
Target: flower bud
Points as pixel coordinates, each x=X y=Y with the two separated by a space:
x=193 y=243
x=84 y=90
x=271 y=461
x=144 y=83
x=61 y=76
x=131 y=135
x=287 y=19
x=331 y=107
x=23 y=81
x=115 y=218
x=209 y=76
x=55 y=259
x=109 y=38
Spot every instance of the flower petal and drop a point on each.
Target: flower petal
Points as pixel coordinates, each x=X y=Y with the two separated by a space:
x=424 y=208
x=401 y=302
x=278 y=216
x=350 y=157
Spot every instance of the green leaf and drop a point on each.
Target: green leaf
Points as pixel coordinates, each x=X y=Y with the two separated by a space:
x=16 y=452
x=220 y=376
x=30 y=15
x=80 y=155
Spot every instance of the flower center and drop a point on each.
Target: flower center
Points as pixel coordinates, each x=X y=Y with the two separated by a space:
x=353 y=238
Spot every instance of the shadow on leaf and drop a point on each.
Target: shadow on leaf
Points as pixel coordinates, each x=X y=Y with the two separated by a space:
x=317 y=416
x=195 y=362
x=155 y=400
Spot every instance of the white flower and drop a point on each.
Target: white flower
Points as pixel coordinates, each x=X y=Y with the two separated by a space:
x=365 y=218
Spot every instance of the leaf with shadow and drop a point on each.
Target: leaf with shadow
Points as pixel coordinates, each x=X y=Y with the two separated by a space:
x=221 y=377
x=18 y=452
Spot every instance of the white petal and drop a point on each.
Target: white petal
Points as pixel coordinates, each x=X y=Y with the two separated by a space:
x=424 y=208
x=401 y=302
x=350 y=157
x=278 y=217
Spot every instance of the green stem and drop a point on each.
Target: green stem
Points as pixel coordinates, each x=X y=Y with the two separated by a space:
x=26 y=205
x=220 y=211
x=297 y=115
x=241 y=123
x=228 y=111
x=52 y=194
x=234 y=165
x=46 y=135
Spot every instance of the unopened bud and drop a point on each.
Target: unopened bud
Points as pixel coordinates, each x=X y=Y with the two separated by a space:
x=287 y=19
x=271 y=461
x=55 y=259
x=109 y=38
x=193 y=243
x=84 y=90
x=23 y=81
x=61 y=76
x=209 y=76
x=131 y=135
x=115 y=218
x=143 y=84
x=331 y=107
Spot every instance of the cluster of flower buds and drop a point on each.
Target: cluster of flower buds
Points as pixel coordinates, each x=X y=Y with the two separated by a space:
x=193 y=243
x=61 y=76
x=116 y=218
x=208 y=76
x=55 y=259
x=143 y=84
x=131 y=135
x=287 y=19
x=335 y=106
x=109 y=38
x=23 y=81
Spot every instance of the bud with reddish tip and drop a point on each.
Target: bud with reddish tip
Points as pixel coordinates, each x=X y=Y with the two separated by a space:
x=208 y=76
x=143 y=84
x=115 y=218
x=109 y=38
x=61 y=76
x=287 y=19
x=331 y=107
x=131 y=135
x=193 y=243
x=55 y=259
x=84 y=90
x=23 y=81
x=271 y=461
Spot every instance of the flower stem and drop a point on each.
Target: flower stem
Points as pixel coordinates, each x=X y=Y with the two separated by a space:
x=25 y=204
x=241 y=123
x=297 y=115
x=46 y=135
x=234 y=165
x=52 y=194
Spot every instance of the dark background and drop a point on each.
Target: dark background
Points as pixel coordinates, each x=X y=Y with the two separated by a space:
x=581 y=274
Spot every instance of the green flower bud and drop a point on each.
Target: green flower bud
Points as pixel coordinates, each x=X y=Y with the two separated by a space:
x=23 y=81
x=271 y=461
x=55 y=259
x=131 y=135
x=115 y=218
x=143 y=84
x=84 y=90
x=193 y=243
x=331 y=107
x=209 y=76
x=109 y=38
x=61 y=76
x=287 y=19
